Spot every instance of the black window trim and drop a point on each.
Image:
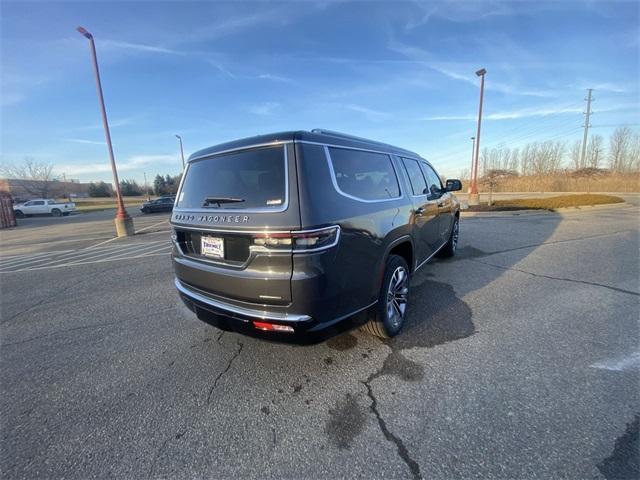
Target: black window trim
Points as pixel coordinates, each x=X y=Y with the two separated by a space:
x=334 y=180
x=283 y=207
x=402 y=159
x=430 y=195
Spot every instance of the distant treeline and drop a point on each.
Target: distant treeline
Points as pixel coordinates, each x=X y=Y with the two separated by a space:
x=162 y=185
x=553 y=157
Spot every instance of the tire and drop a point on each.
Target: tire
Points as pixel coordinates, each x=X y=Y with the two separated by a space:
x=449 y=250
x=388 y=316
x=56 y=212
x=18 y=214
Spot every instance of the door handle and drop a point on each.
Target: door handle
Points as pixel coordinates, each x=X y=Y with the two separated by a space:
x=419 y=211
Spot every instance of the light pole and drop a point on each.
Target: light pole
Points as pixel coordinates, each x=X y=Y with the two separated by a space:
x=473 y=148
x=181 y=150
x=124 y=223
x=474 y=197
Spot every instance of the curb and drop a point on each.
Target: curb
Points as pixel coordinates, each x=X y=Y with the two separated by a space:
x=530 y=212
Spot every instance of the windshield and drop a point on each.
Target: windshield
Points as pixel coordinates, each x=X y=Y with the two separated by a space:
x=250 y=179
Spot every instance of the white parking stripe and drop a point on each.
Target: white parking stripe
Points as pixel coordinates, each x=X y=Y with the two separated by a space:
x=619 y=364
x=27 y=257
x=105 y=260
x=89 y=252
x=65 y=258
x=133 y=249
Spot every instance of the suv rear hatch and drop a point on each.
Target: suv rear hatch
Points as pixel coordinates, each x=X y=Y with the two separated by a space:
x=231 y=223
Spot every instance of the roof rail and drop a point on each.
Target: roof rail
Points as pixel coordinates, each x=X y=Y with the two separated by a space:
x=341 y=135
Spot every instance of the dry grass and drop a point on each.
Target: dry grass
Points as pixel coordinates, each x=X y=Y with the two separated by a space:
x=565 y=182
x=96 y=204
x=549 y=203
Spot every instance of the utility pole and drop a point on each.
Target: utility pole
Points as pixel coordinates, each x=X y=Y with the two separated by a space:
x=474 y=196
x=586 y=126
x=146 y=189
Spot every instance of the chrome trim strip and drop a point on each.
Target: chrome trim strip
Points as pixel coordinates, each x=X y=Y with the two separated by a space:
x=363 y=149
x=430 y=256
x=248 y=312
x=245 y=147
x=334 y=181
x=240 y=211
x=256 y=250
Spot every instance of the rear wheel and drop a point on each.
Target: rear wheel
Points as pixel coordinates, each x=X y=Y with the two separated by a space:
x=19 y=214
x=388 y=316
x=449 y=250
x=56 y=212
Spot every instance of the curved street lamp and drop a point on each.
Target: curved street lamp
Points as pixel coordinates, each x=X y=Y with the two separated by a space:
x=124 y=223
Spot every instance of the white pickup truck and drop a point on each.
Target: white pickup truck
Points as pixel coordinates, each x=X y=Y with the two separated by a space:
x=43 y=206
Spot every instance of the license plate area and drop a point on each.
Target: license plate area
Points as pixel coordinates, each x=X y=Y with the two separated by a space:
x=212 y=247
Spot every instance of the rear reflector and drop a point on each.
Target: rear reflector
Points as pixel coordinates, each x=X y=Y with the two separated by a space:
x=272 y=327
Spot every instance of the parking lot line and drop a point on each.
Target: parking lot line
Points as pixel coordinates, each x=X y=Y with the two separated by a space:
x=85 y=256
x=31 y=258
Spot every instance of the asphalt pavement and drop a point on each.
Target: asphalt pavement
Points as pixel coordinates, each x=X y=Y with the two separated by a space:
x=520 y=360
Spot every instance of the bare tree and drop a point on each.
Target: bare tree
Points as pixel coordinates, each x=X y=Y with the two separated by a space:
x=34 y=177
x=619 y=149
x=595 y=152
x=492 y=180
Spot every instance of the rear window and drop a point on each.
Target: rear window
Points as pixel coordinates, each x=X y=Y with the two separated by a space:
x=364 y=175
x=252 y=179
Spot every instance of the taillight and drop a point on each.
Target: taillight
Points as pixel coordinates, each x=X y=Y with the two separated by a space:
x=272 y=327
x=298 y=241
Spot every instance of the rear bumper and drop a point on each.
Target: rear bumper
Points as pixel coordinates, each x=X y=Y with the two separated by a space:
x=231 y=317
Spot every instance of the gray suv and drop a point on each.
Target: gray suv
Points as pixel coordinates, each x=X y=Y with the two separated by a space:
x=290 y=235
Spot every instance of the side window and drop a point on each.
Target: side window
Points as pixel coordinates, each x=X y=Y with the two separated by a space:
x=28 y=204
x=418 y=183
x=433 y=181
x=364 y=175
x=38 y=202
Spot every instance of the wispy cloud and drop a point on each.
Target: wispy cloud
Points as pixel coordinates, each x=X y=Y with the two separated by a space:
x=462 y=71
x=458 y=11
x=266 y=108
x=543 y=111
x=83 y=141
x=510 y=115
x=274 y=78
x=138 y=47
x=131 y=163
x=120 y=122
x=370 y=113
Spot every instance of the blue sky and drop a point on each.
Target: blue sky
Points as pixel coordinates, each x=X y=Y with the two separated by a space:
x=400 y=72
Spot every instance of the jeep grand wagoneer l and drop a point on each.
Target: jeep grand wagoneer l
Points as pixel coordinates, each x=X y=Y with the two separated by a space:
x=291 y=233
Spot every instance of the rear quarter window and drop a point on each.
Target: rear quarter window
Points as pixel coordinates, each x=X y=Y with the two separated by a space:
x=364 y=175
x=257 y=177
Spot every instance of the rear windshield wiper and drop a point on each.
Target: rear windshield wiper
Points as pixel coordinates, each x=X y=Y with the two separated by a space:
x=220 y=200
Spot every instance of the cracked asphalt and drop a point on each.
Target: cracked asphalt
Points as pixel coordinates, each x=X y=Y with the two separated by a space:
x=520 y=359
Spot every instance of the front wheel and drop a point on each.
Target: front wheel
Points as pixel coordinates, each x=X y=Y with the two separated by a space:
x=19 y=214
x=449 y=250
x=388 y=316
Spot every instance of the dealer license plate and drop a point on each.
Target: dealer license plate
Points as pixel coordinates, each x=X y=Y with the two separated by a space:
x=212 y=247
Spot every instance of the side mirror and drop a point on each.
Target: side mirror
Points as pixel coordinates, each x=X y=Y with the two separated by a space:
x=453 y=185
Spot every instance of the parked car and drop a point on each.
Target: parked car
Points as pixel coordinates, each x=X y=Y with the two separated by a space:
x=290 y=235
x=43 y=206
x=162 y=204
